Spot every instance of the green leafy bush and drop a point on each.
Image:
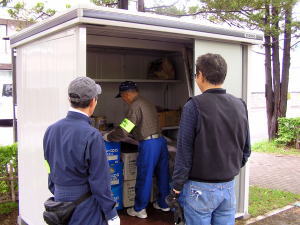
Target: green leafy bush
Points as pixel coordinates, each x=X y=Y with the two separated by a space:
x=8 y=155
x=8 y=207
x=288 y=131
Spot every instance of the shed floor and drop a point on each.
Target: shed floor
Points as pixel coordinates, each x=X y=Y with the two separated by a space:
x=155 y=217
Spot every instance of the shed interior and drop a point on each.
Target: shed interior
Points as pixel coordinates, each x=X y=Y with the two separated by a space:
x=114 y=56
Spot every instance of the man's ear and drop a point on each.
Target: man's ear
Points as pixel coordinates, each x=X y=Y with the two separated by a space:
x=202 y=77
x=93 y=101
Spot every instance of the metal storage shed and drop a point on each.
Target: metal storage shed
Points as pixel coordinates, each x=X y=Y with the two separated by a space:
x=111 y=45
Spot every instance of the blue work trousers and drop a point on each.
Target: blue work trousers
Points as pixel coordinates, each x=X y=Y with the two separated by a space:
x=152 y=160
x=208 y=203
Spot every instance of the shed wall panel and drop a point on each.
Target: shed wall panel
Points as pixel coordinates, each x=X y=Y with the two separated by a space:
x=234 y=84
x=232 y=53
x=44 y=70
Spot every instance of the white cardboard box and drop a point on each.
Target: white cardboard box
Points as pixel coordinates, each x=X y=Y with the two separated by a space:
x=129 y=160
x=129 y=192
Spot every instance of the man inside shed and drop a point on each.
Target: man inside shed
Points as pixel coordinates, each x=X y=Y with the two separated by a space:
x=75 y=154
x=213 y=144
x=141 y=121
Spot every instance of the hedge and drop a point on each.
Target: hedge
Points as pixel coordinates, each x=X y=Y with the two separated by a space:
x=288 y=131
x=8 y=155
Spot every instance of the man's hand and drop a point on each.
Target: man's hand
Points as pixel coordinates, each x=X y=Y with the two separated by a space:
x=176 y=192
x=172 y=199
x=114 y=221
x=105 y=136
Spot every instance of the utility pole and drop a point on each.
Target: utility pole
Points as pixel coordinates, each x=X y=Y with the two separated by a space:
x=141 y=6
x=123 y=4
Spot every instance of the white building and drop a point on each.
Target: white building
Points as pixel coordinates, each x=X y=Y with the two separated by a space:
x=7 y=27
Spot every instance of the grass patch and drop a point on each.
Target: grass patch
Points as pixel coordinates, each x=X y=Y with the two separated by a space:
x=272 y=147
x=263 y=200
x=7 y=207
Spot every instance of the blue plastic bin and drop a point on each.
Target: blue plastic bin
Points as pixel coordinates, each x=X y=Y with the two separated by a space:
x=113 y=152
x=117 y=191
x=116 y=171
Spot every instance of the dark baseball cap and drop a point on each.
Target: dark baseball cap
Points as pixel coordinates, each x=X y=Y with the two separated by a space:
x=83 y=89
x=125 y=86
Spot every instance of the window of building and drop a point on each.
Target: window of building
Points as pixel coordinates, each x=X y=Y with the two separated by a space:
x=6 y=99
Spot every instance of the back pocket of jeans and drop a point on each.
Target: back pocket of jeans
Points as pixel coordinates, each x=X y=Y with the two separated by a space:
x=200 y=199
x=230 y=202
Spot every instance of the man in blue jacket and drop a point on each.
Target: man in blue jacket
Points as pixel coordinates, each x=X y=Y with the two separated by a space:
x=76 y=156
x=213 y=144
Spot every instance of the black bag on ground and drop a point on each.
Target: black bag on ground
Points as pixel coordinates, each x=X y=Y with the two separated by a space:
x=172 y=202
x=60 y=213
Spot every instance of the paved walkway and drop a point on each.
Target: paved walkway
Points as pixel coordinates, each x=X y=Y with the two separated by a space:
x=275 y=171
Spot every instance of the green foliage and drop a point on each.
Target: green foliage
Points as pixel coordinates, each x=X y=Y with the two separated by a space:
x=288 y=131
x=4 y=3
x=19 y=11
x=8 y=207
x=274 y=148
x=170 y=11
x=249 y=13
x=107 y=3
x=172 y=8
x=263 y=200
x=238 y=13
x=8 y=155
x=193 y=9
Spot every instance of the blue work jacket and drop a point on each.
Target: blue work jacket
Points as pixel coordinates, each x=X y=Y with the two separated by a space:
x=78 y=163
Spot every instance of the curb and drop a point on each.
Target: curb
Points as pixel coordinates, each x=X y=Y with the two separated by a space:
x=273 y=212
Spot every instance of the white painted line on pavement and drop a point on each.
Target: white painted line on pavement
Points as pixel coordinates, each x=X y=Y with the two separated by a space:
x=271 y=213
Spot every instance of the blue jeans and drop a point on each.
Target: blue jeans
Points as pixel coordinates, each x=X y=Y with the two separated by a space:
x=208 y=203
x=152 y=160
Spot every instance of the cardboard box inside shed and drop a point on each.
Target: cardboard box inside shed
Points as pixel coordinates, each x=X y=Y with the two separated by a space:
x=129 y=192
x=169 y=118
x=129 y=160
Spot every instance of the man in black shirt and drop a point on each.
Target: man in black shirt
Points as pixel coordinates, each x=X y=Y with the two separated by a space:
x=213 y=145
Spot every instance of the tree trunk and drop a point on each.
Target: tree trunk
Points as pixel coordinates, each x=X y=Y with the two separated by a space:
x=276 y=88
x=268 y=72
x=141 y=6
x=276 y=72
x=286 y=62
x=123 y=4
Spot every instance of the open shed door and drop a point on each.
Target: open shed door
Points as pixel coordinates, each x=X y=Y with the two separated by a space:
x=236 y=58
x=44 y=68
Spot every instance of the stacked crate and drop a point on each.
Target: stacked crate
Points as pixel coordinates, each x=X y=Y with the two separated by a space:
x=129 y=160
x=113 y=151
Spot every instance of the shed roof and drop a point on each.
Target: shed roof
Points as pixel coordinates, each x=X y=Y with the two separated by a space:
x=143 y=21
